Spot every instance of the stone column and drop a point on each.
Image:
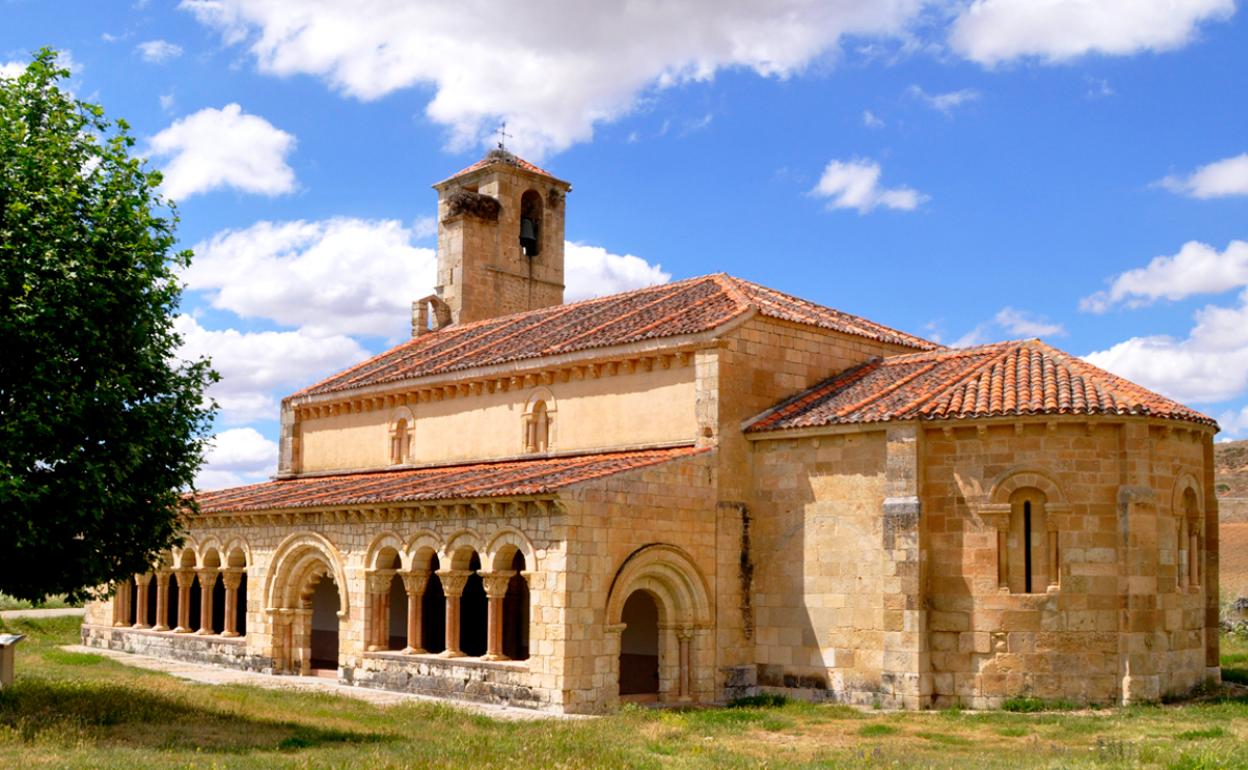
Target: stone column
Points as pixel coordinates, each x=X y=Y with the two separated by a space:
x=207 y=580
x=140 y=613
x=415 y=582
x=185 y=578
x=378 y=632
x=684 y=637
x=1140 y=639
x=162 y=602
x=232 y=578
x=453 y=581
x=121 y=605
x=496 y=591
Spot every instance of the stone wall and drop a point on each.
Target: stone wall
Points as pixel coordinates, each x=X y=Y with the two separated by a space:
x=501 y=682
x=212 y=650
x=1114 y=626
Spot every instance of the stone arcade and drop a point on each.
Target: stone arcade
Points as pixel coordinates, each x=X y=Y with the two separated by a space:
x=692 y=492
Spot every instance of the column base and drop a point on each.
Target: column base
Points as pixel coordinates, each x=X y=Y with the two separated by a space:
x=141 y=626
x=491 y=656
x=205 y=632
x=181 y=630
x=229 y=634
x=412 y=651
x=452 y=654
x=160 y=627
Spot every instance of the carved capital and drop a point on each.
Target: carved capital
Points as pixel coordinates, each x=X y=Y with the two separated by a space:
x=415 y=581
x=185 y=577
x=207 y=577
x=454 y=580
x=143 y=580
x=232 y=577
x=378 y=580
x=496 y=582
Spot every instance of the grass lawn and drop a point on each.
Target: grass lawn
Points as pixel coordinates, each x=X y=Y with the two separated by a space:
x=82 y=710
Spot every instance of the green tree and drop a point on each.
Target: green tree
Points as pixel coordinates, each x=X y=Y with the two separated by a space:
x=102 y=428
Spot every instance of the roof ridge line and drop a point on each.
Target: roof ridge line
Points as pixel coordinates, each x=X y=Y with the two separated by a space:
x=666 y=296
x=888 y=389
x=974 y=371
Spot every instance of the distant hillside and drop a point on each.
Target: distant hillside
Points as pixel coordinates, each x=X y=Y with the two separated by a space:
x=1231 y=479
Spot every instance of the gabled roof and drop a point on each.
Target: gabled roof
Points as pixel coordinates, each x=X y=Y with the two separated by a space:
x=1012 y=379
x=449 y=482
x=684 y=307
x=501 y=156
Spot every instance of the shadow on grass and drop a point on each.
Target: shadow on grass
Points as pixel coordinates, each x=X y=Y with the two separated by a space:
x=72 y=712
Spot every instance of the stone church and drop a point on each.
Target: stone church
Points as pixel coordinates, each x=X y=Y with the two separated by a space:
x=693 y=492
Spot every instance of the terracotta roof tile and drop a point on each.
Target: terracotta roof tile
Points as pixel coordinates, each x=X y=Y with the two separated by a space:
x=685 y=307
x=449 y=482
x=501 y=156
x=1005 y=379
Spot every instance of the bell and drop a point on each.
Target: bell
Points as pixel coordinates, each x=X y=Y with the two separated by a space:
x=528 y=236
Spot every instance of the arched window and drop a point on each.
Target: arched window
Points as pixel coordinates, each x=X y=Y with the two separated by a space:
x=1031 y=562
x=1189 y=538
x=402 y=427
x=530 y=223
x=537 y=433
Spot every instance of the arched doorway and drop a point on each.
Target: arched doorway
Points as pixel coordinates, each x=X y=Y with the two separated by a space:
x=324 y=637
x=306 y=599
x=658 y=628
x=639 y=648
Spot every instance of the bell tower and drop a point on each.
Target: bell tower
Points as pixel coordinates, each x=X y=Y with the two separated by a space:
x=500 y=238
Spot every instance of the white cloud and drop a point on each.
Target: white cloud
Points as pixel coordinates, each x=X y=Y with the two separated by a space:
x=871 y=120
x=1209 y=365
x=166 y=102
x=12 y=69
x=1011 y=323
x=1019 y=323
x=552 y=70
x=356 y=276
x=1220 y=179
x=212 y=148
x=1234 y=424
x=237 y=456
x=995 y=31
x=855 y=184
x=1198 y=268
x=592 y=271
x=158 y=51
x=333 y=276
x=253 y=365
x=946 y=102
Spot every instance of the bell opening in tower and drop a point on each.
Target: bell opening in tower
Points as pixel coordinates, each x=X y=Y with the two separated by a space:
x=531 y=223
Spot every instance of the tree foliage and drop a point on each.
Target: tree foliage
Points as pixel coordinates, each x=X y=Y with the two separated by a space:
x=102 y=428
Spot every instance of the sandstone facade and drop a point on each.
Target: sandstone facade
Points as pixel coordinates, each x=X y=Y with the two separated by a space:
x=692 y=493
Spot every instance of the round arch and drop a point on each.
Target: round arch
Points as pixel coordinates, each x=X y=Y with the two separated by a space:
x=296 y=560
x=503 y=547
x=1005 y=485
x=669 y=574
x=237 y=550
x=1185 y=482
x=383 y=544
x=456 y=554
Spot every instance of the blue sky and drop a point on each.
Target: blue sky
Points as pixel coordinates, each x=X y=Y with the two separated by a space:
x=968 y=170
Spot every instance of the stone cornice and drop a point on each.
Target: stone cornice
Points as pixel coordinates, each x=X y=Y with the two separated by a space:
x=545 y=505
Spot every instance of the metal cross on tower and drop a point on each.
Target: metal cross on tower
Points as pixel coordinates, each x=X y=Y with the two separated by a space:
x=503 y=136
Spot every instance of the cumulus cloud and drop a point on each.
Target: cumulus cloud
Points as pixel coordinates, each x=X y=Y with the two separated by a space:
x=258 y=367
x=158 y=51
x=1208 y=366
x=1221 y=179
x=994 y=31
x=855 y=184
x=551 y=70
x=592 y=271
x=12 y=69
x=359 y=277
x=1011 y=323
x=333 y=276
x=213 y=149
x=1198 y=268
x=946 y=102
x=237 y=456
